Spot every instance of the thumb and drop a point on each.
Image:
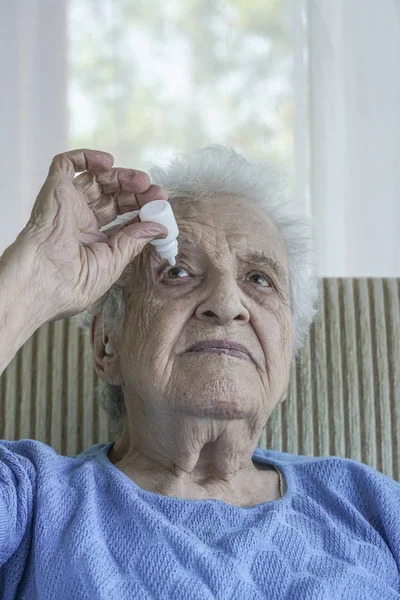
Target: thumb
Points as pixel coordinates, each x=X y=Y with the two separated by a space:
x=129 y=241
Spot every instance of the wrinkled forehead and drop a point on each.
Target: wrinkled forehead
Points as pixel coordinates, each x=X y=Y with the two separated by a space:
x=240 y=223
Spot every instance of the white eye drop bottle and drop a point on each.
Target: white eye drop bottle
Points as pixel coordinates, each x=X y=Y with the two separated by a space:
x=160 y=211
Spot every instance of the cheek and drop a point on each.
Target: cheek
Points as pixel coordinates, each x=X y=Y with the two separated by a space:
x=138 y=323
x=273 y=327
x=151 y=326
x=137 y=319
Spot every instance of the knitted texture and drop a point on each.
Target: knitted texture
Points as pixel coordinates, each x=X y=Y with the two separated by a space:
x=77 y=527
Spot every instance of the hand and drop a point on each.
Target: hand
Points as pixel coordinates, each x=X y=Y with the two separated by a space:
x=71 y=261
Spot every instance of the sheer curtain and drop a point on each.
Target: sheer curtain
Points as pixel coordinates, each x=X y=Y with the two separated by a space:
x=33 y=104
x=322 y=99
x=354 y=125
x=151 y=79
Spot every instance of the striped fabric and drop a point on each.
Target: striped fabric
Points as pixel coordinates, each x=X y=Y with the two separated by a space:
x=343 y=400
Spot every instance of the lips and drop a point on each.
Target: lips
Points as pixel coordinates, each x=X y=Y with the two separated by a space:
x=234 y=347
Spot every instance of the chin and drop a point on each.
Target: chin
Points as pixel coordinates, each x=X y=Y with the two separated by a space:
x=221 y=402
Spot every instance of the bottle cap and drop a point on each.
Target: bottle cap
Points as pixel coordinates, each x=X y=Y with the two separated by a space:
x=160 y=211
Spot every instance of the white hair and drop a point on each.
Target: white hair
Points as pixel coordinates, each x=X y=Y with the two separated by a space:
x=211 y=172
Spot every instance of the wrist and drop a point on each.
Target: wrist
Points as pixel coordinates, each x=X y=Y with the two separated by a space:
x=21 y=305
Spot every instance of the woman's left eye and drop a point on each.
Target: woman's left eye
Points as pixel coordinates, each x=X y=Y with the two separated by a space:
x=262 y=277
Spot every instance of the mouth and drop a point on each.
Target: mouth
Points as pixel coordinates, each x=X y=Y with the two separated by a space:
x=234 y=353
x=222 y=346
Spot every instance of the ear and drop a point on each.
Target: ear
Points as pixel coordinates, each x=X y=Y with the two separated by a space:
x=107 y=366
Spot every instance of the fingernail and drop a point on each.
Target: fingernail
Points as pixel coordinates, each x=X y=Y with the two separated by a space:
x=155 y=236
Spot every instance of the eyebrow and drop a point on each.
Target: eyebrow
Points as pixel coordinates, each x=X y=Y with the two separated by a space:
x=264 y=260
x=261 y=259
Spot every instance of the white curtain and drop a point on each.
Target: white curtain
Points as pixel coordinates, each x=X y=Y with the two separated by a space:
x=33 y=104
x=354 y=126
x=347 y=88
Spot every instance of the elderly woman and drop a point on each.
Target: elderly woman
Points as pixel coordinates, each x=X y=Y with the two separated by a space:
x=193 y=360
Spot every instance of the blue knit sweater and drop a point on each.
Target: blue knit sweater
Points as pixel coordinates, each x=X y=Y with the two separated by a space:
x=77 y=527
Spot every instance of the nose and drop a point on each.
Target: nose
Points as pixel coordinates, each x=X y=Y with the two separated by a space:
x=223 y=303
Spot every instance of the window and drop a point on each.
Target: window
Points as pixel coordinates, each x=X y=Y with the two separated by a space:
x=148 y=79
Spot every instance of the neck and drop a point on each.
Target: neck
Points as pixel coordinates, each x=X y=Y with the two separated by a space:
x=207 y=467
x=201 y=450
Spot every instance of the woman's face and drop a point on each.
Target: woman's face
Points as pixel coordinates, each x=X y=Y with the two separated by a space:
x=215 y=290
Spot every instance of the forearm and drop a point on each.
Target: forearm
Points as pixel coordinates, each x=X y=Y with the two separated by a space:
x=20 y=313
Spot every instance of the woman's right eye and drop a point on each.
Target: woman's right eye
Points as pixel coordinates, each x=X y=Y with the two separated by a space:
x=171 y=270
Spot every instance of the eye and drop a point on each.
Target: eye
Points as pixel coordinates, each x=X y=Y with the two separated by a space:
x=266 y=279
x=169 y=270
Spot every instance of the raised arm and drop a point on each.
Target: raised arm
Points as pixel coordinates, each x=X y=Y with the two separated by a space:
x=62 y=262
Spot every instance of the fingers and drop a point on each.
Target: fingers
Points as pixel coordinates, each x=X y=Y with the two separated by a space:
x=67 y=164
x=127 y=193
x=127 y=243
x=109 y=191
x=119 y=180
x=110 y=206
x=148 y=228
x=154 y=192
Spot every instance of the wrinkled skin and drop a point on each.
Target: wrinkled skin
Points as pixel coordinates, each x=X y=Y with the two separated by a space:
x=194 y=419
